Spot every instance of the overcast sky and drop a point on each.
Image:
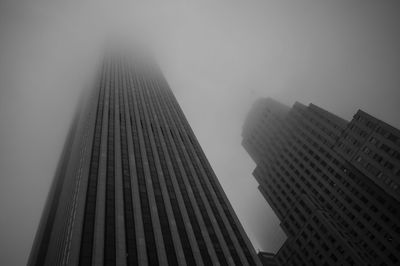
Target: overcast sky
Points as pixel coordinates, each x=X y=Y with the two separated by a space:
x=218 y=56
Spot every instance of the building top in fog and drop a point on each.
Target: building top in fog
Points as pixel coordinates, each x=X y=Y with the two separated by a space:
x=333 y=184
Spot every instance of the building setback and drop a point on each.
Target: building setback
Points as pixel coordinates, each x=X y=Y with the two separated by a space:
x=267 y=259
x=133 y=186
x=333 y=184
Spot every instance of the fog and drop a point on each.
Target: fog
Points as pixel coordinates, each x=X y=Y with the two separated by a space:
x=218 y=57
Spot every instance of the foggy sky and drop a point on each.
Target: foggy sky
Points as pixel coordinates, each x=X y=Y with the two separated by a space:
x=218 y=57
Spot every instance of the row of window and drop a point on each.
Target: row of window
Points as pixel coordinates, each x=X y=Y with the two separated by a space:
x=321 y=131
x=372 y=169
x=395 y=138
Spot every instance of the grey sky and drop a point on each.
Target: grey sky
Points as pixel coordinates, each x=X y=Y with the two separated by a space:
x=218 y=57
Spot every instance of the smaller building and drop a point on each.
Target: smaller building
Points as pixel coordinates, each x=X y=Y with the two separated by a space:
x=334 y=184
x=373 y=147
x=267 y=259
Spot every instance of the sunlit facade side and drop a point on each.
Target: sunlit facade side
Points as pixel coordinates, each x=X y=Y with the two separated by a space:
x=332 y=212
x=134 y=186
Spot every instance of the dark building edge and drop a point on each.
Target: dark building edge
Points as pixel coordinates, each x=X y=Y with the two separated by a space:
x=42 y=236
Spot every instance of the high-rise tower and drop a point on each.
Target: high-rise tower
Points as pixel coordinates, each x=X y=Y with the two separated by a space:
x=133 y=186
x=333 y=184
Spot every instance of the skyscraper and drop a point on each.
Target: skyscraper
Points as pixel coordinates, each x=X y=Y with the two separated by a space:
x=133 y=186
x=333 y=184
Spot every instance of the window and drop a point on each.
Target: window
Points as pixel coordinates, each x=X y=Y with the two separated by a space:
x=393 y=138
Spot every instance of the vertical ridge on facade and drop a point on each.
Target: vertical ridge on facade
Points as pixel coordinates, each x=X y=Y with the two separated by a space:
x=89 y=215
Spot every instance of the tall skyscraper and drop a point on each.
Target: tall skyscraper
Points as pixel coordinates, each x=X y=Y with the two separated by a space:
x=133 y=186
x=333 y=184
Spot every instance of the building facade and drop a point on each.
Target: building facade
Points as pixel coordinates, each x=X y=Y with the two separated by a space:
x=133 y=186
x=333 y=184
x=267 y=259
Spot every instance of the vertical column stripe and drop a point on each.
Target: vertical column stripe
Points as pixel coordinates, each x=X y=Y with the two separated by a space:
x=210 y=175
x=196 y=192
x=165 y=228
x=109 y=229
x=170 y=188
x=152 y=256
x=189 y=208
x=85 y=256
x=130 y=234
